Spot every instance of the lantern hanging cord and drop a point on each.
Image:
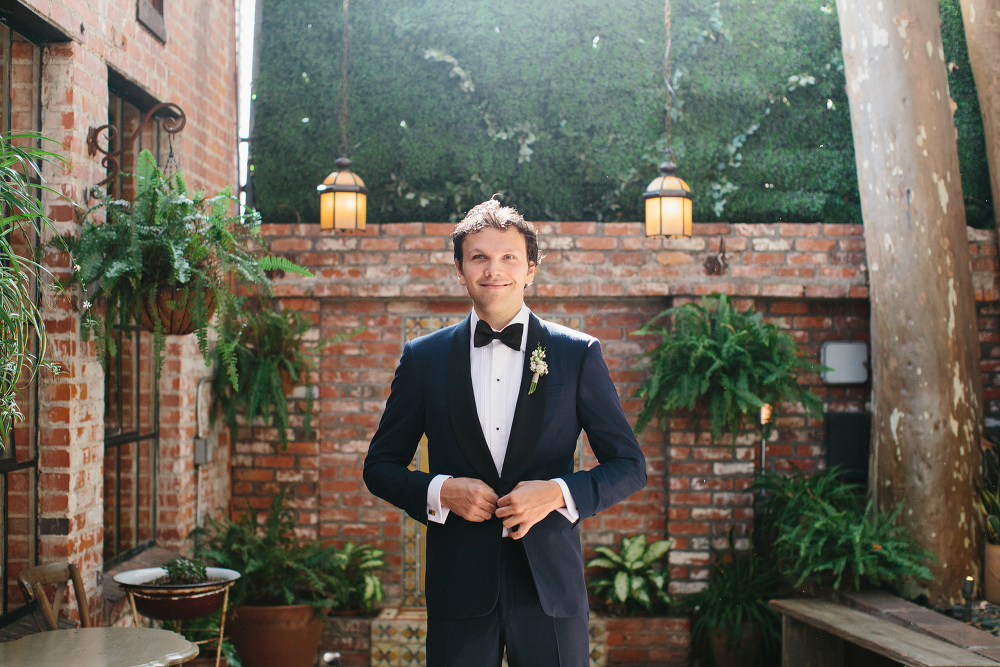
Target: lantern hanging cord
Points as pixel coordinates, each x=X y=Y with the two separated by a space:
x=666 y=76
x=343 y=108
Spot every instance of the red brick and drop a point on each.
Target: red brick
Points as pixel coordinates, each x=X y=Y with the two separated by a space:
x=764 y=257
x=815 y=245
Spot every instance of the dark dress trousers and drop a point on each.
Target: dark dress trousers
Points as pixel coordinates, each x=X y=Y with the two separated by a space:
x=432 y=393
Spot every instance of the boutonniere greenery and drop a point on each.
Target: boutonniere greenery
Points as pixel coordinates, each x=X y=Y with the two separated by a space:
x=538 y=367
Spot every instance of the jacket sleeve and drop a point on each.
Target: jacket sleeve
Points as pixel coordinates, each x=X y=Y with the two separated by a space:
x=386 y=470
x=622 y=467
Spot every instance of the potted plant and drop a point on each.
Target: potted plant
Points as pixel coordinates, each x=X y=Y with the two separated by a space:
x=726 y=362
x=181 y=590
x=272 y=356
x=21 y=353
x=207 y=630
x=730 y=615
x=633 y=581
x=165 y=259
x=989 y=509
x=825 y=536
x=286 y=585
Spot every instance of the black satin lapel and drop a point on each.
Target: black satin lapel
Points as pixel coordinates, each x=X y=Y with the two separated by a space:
x=462 y=407
x=529 y=413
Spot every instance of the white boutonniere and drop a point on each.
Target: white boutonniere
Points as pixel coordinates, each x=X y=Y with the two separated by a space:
x=538 y=367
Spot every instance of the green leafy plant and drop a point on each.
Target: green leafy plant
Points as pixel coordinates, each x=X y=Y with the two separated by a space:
x=278 y=570
x=182 y=570
x=989 y=494
x=22 y=336
x=732 y=362
x=165 y=238
x=823 y=534
x=272 y=355
x=202 y=629
x=734 y=603
x=633 y=582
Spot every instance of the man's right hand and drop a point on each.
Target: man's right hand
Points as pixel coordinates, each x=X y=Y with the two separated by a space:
x=471 y=499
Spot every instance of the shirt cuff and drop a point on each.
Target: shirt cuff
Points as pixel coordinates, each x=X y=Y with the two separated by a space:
x=435 y=511
x=570 y=512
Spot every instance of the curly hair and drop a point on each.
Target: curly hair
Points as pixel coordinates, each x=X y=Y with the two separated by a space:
x=491 y=214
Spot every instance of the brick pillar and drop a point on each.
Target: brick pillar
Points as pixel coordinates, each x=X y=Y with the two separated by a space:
x=71 y=404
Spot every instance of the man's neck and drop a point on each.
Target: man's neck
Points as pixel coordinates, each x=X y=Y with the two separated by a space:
x=498 y=320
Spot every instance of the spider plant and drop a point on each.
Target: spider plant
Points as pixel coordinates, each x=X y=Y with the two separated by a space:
x=22 y=336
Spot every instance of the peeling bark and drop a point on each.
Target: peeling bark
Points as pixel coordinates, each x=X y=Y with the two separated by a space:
x=925 y=348
x=982 y=36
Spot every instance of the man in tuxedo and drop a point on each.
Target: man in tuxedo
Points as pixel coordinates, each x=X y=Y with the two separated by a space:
x=501 y=502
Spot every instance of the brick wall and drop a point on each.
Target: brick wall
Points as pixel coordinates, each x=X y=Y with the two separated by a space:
x=195 y=68
x=607 y=280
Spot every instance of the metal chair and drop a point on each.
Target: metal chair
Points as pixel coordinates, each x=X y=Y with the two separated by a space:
x=32 y=582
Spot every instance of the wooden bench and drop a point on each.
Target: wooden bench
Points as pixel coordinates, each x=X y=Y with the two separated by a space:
x=817 y=633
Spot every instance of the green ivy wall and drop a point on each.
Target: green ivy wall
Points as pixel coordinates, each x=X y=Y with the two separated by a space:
x=559 y=106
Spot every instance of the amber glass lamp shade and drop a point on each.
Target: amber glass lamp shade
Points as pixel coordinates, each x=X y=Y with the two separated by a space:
x=343 y=199
x=668 y=204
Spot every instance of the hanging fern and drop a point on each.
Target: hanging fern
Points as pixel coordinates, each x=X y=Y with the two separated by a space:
x=260 y=351
x=734 y=362
x=165 y=237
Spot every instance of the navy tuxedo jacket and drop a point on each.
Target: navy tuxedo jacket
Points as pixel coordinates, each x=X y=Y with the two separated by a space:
x=432 y=393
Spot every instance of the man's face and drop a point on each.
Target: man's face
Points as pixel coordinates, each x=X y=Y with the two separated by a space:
x=495 y=271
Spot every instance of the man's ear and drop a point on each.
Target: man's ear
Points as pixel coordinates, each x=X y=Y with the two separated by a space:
x=532 y=268
x=458 y=269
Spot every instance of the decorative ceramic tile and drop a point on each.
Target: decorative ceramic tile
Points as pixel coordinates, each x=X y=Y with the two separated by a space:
x=399 y=639
x=414 y=532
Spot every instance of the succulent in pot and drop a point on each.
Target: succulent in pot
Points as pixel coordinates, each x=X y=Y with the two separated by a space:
x=180 y=590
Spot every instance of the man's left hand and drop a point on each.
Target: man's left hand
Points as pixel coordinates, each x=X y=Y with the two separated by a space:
x=527 y=504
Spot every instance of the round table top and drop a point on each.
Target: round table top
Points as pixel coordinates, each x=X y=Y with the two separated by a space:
x=98 y=647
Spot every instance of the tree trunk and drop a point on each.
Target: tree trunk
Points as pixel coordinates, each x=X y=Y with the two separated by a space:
x=925 y=347
x=982 y=35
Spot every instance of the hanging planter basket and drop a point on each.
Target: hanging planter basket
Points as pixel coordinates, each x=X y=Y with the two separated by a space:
x=173 y=305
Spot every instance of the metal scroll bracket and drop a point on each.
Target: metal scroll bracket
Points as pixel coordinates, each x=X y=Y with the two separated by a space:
x=111 y=161
x=715 y=265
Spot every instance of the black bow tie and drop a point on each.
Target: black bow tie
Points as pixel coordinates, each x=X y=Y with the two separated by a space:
x=510 y=336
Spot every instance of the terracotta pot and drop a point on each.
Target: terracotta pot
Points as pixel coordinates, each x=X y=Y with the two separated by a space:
x=206 y=662
x=747 y=654
x=275 y=636
x=991 y=573
x=176 y=321
x=288 y=385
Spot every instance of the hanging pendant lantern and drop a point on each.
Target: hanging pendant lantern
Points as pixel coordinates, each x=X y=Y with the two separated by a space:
x=668 y=198
x=668 y=204
x=343 y=199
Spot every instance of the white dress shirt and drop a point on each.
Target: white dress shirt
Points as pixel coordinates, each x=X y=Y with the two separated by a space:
x=496 y=382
